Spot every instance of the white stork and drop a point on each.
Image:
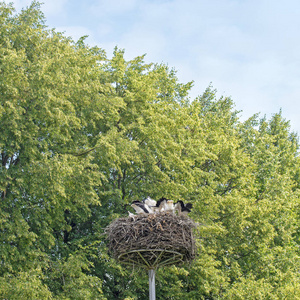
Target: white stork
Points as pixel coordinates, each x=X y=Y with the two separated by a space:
x=149 y=201
x=183 y=209
x=160 y=204
x=141 y=208
x=169 y=206
x=164 y=204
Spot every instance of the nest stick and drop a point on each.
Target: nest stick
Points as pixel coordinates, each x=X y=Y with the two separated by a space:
x=151 y=233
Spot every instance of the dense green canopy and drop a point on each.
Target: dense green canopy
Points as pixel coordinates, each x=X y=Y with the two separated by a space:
x=83 y=135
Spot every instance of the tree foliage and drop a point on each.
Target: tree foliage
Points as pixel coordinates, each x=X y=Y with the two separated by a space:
x=82 y=136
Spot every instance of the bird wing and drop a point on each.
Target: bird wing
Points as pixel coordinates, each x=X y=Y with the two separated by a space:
x=149 y=202
x=189 y=205
x=148 y=209
x=137 y=209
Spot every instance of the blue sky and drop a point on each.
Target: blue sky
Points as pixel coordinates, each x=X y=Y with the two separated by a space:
x=248 y=49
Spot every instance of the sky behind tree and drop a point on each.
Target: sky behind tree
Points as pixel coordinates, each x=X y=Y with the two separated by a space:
x=248 y=50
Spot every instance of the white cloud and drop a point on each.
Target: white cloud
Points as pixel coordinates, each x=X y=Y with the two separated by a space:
x=19 y=4
x=248 y=49
x=54 y=7
x=105 y=7
x=48 y=6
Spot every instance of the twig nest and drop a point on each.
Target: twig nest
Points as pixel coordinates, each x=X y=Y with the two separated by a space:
x=152 y=233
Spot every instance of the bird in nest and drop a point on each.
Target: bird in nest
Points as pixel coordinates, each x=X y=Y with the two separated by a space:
x=150 y=206
x=182 y=208
x=141 y=208
x=150 y=202
x=166 y=205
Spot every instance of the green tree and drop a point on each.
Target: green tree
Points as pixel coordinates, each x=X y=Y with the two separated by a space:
x=82 y=136
x=49 y=89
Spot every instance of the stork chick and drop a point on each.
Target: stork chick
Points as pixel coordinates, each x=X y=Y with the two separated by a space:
x=141 y=208
x=183 y=209
x=169 y=206
x=160 y=205
x=151 y=204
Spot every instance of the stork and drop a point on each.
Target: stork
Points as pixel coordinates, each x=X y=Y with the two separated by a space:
x=160 y=204
x=183 y=209
x=150 y=202
x=169 y=206
x=164 y=204
x=141 y=208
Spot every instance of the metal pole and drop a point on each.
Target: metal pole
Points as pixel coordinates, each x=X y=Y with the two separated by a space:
x=151 y=273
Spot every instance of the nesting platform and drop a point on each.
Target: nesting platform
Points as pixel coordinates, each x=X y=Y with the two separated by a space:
x=152 y=240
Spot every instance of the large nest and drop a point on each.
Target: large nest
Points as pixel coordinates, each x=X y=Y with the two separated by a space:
x=152 y=240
